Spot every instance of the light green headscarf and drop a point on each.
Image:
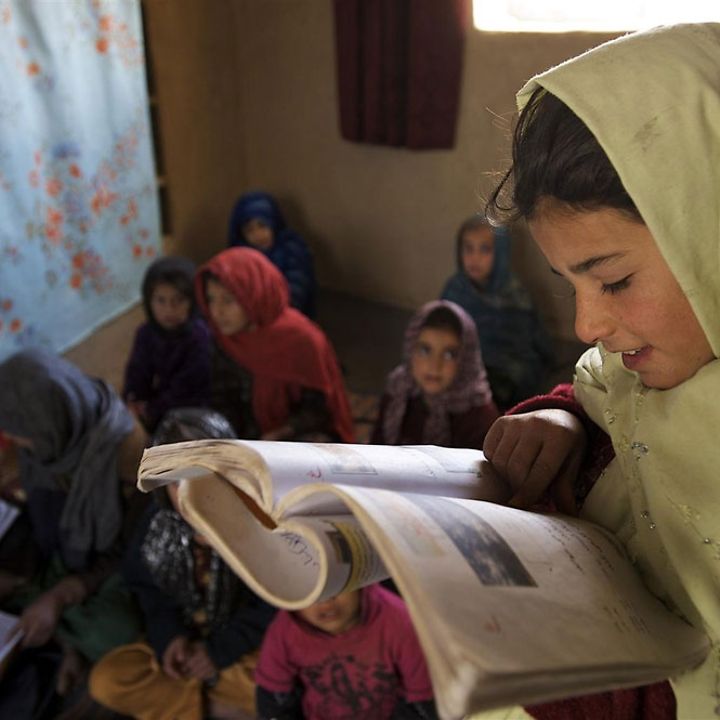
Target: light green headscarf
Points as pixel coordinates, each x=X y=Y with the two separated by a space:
x=652 y=100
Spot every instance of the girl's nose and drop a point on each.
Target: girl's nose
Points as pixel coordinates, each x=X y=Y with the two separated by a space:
x=436 y=361
x=592 y=322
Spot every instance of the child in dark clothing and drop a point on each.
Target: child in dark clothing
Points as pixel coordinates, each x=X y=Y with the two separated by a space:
x=275 y=374
x=78 y=451
x=515 y=347
x=440 y=394
x=169 y=364
x=257 y=222
x=203 y=624
x=354 y=656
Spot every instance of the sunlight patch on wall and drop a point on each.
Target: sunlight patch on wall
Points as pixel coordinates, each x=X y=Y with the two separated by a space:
x=589 y=16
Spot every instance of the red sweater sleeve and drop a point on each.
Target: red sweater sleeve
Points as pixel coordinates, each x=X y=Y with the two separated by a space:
x=650 y=702
x=561 y=397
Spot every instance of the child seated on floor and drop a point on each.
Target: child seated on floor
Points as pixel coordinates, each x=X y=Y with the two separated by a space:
x=203 y=625
x=515 y=347
x=257 y=222
x=354 y=656
x=274 y=372
x=78 y=450
x=169 y=364
x=439 y=395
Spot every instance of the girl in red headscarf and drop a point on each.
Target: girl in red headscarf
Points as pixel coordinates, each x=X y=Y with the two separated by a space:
x=275 y=374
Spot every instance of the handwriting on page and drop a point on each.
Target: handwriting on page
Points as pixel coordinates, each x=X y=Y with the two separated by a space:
x=300 y=547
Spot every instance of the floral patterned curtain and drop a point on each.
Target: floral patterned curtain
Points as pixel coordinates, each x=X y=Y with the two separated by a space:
x=78 y=204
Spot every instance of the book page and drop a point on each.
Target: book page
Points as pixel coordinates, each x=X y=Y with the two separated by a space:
x=423 y=469
x=352 y=560
x=523 y=607
x=291 y=565
x=268 y=471
x=185 y=461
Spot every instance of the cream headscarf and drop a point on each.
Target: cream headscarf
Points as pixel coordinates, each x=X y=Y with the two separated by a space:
x=652 y=100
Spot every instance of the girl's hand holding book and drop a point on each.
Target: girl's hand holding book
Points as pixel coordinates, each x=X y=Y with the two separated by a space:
x=537 y=451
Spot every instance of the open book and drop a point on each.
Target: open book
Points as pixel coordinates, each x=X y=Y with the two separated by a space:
x=511 y=607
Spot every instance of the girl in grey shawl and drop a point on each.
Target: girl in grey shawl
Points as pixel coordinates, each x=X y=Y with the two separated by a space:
x=75 y=439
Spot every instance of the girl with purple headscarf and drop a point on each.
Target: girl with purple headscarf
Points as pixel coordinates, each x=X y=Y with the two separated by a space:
x=439 y=395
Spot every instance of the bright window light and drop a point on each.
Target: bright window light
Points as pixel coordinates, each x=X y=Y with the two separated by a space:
x=588 y=15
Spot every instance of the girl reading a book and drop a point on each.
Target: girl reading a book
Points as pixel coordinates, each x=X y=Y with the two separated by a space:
x=615 y=168
x=274 y=373
x=79 y=449
x=439 y=395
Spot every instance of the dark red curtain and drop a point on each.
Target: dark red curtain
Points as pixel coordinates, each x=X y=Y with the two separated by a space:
x=399 y=67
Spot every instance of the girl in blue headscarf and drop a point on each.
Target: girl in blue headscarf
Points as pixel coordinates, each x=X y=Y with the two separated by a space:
x=257 y=222
x=515 y=347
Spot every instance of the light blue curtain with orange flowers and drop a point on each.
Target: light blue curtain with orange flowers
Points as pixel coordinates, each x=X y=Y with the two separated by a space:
x=78 y=203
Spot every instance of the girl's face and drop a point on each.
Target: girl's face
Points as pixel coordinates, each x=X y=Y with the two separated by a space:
x=226 y=312
x=625 y=294
x=335 y=615
x=434 y=361
x=169 y=306
x=258 y=234
x=477 y=252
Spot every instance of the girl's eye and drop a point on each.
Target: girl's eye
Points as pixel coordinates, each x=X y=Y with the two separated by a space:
x=450 y=355
x=616 y=287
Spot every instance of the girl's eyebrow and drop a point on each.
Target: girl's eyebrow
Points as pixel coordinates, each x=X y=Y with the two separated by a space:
x=587 y=265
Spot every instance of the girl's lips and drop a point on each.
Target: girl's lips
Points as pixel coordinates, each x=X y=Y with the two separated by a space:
x=633 y=361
